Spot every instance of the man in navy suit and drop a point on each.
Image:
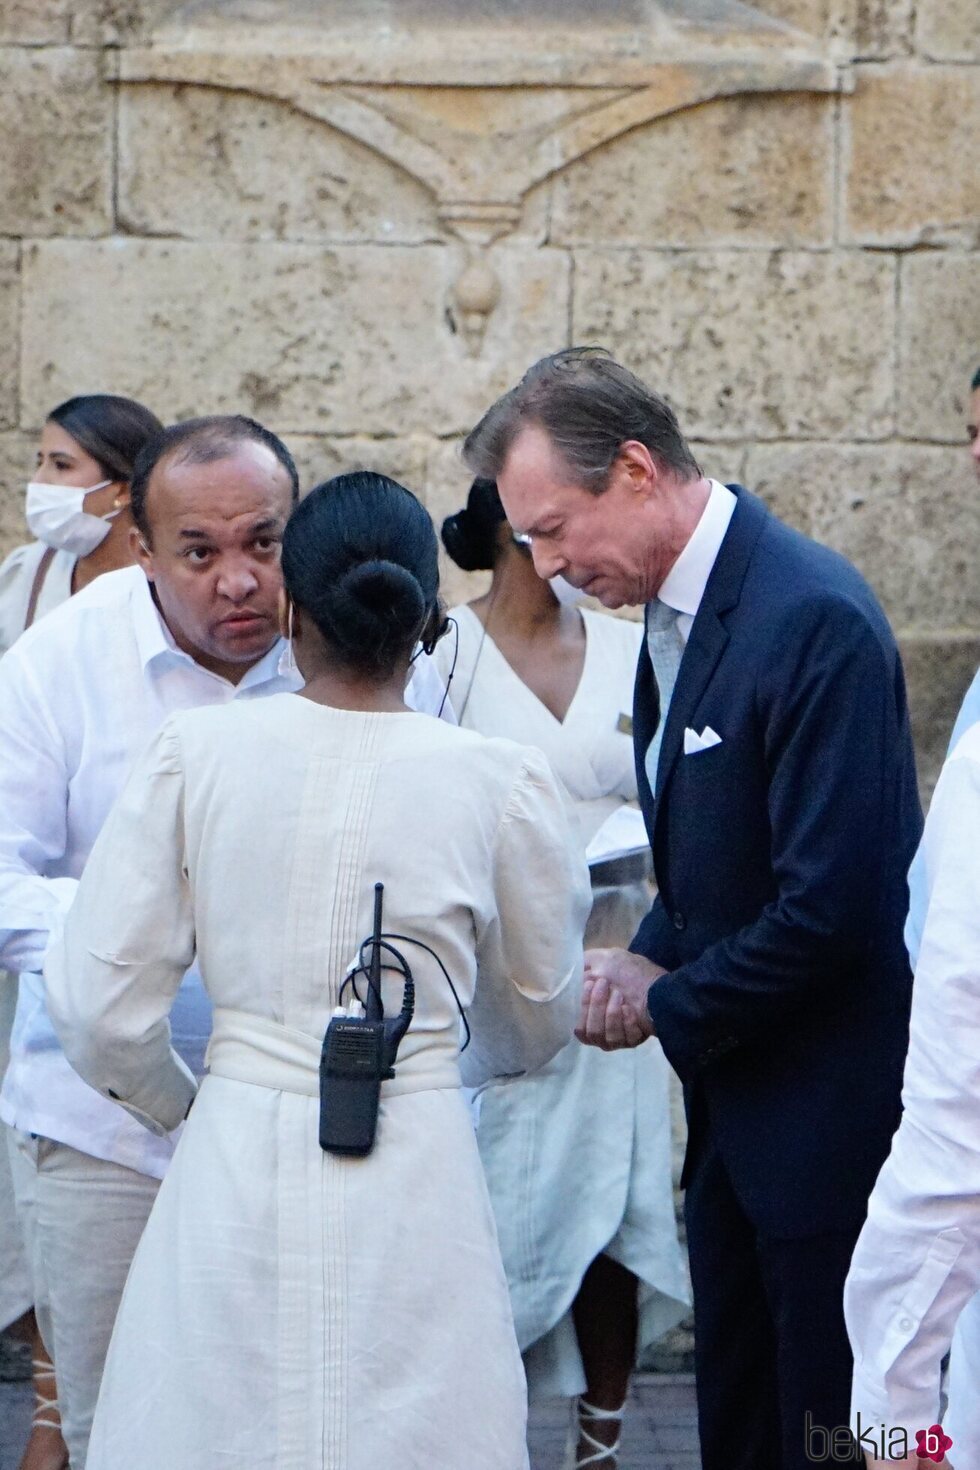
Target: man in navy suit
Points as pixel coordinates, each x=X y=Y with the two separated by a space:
x=777 y=780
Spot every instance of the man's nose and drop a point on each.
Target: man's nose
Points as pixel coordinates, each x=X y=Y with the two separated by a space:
x=547 y=561
x=237 y=582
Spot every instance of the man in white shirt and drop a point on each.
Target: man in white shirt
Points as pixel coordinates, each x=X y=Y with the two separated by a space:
x=918 y=1252
x=917 y=1261
x=196 y=622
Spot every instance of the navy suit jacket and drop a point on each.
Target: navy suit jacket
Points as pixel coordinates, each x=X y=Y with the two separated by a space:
x=781 y=856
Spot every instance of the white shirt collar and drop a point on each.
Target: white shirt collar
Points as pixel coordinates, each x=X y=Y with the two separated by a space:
x=155 y=640
x=684 y=585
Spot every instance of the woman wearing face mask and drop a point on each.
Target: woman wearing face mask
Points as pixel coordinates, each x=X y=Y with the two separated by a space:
x=77 y=506
x=577 y=1155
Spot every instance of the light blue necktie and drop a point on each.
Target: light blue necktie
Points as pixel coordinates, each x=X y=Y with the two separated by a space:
x=666 y=649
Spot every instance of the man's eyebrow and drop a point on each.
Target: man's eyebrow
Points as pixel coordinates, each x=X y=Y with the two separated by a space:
x=267 y=523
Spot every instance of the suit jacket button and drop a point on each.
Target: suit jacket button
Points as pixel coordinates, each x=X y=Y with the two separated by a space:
x=679 y=921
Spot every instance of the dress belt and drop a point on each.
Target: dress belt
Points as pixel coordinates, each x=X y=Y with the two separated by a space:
x=249 y=1048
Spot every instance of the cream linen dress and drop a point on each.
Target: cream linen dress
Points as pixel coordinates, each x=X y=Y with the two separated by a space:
x=289 y=1309
x=577 y=1156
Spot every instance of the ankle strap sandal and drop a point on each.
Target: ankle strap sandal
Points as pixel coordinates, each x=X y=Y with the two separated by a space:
x=584 y=1414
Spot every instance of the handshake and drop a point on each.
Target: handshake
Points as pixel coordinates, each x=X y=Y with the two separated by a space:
x=614 y=999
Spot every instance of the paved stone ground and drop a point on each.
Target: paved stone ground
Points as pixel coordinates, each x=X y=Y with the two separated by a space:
x=659 y=1432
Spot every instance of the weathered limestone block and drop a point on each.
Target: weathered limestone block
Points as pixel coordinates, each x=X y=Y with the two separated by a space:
x=9 y=333
x=811 y=16
x=56 y=149
x=911 y=156
x=206 y=164
x=343 y=341
x=111 y=22
x=880 y=28
x=749 y=344
x=320 y=457
x=907 y=515
x=938 y=671
x=35 y=22
x=948 y=29
x=939 y=343
x=16 y=465
x=751 y=170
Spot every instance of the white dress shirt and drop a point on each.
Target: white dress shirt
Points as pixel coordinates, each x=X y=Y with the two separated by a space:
x=81 y=693
x=685 y=583
x=917 y=1261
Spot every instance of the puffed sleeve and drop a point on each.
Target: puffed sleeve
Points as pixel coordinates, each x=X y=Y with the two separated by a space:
x=529 y=958
x=128 y=938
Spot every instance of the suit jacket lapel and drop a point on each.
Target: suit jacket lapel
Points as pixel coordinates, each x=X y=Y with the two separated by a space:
x=709 y=635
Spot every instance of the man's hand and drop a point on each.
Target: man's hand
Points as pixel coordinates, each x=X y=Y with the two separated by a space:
x=614 y=999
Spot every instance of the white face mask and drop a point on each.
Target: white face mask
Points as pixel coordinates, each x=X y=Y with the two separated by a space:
x=567 y=595
x=56 y=517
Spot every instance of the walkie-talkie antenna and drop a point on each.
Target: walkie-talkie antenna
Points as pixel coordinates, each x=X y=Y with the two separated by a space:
x=374 y=1007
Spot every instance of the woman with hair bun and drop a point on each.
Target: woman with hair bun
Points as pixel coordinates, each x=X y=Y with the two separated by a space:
x=578 y=1154
x=290 y=1307
x=77 y=506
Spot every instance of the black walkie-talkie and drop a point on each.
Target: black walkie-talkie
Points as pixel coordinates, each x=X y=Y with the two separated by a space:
x=358 y=1054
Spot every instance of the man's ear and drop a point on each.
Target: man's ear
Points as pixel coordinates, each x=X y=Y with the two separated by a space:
x=141 y=552
x=638 y=465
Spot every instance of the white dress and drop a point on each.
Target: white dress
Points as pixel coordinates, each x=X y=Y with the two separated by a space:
x=289 y=1309
x=577 y=1156
x=16 y=581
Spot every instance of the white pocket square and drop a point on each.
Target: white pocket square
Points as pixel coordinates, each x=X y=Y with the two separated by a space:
x=693 y=742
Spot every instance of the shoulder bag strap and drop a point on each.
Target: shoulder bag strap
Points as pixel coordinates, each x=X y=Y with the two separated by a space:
x=39 y=576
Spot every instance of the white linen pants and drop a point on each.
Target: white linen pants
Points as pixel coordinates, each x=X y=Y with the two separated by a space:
x=16 y=1294
x=82 y=1219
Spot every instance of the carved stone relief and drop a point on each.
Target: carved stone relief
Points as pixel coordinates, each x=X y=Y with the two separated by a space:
x=481 y=102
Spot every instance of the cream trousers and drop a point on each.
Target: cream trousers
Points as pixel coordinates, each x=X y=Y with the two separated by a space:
x=82 y=1220
x=16 y=1294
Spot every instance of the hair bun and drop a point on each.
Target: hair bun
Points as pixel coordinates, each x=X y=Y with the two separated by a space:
x=384 y=589
x=360 y=556
x=375 y=606
x=466 y=542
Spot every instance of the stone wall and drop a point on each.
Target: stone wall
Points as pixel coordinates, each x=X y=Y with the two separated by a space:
x=797 y=271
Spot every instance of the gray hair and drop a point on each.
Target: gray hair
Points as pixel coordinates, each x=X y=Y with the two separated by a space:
x=589 y=405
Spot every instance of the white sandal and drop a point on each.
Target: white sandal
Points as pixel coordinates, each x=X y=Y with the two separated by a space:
x=583 y=1414
x=44 y=1371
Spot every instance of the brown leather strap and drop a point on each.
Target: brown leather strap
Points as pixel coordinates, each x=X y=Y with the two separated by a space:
x=38 y=583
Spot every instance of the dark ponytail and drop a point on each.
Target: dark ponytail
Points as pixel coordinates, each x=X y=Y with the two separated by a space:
x=359 y=556
x=470 y=536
